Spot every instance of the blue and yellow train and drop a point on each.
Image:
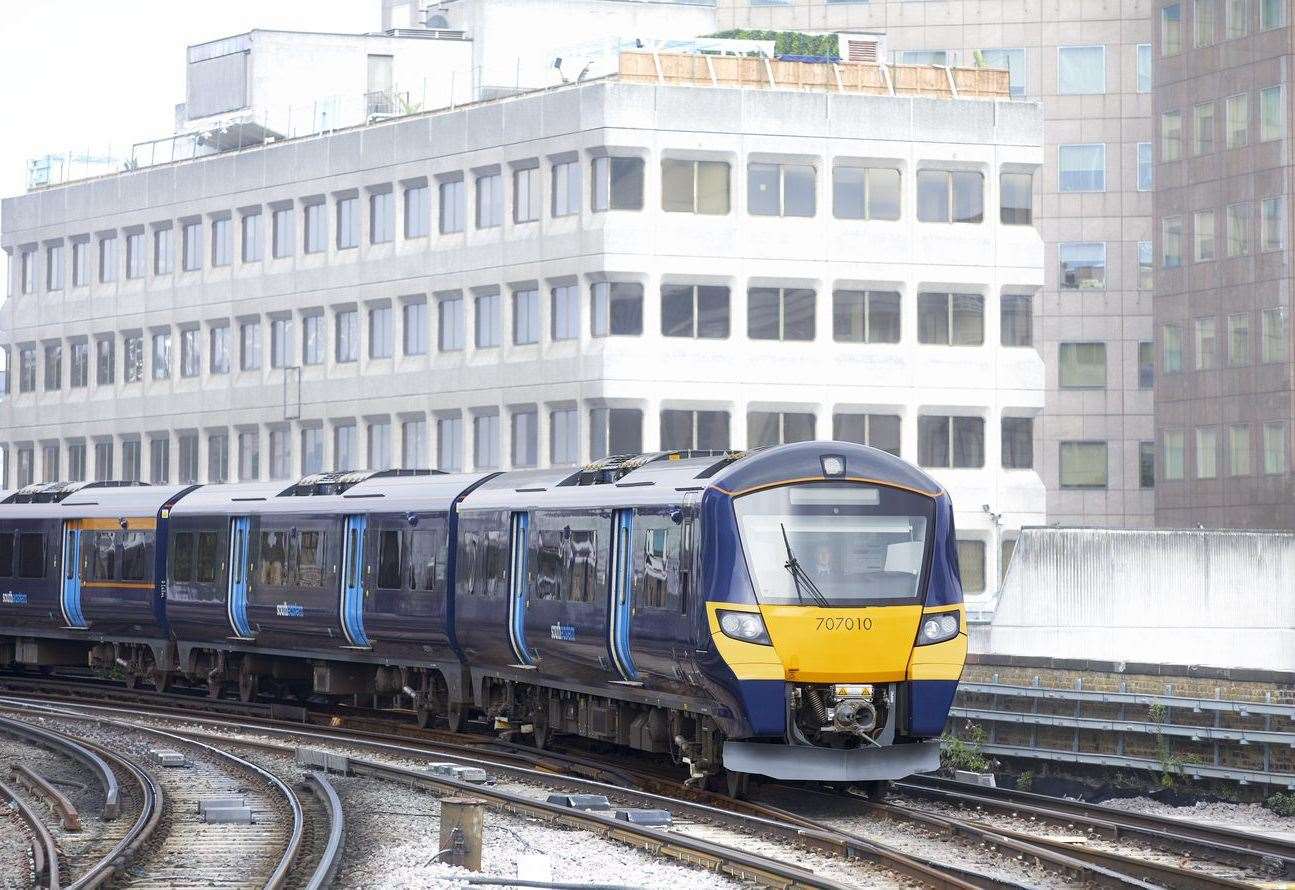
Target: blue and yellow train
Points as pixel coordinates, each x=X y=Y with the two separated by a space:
x=793 y=612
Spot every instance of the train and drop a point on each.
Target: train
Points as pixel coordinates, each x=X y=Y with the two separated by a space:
x=792 y=612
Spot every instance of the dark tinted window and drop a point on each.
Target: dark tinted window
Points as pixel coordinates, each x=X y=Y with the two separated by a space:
x=274 y=559
x=389 y=560
x=137 y=556
x=426 y=560
x=31 y=556
x=98 y=556
x=207 y=561
x=6 y=554
x=584 y=557
x=310 y=558
x=182 y=557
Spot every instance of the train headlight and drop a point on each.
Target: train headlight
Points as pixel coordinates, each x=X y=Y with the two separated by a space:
x=745 y=626
x=938 y=628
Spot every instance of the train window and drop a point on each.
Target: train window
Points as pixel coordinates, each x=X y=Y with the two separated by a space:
x=425 y=563
x=31 y=556
x=98 y=556
x=310 y=558
x=496 y=562
x=274 y=559
x=207 y=557
x=655 y=586
x=584 y=555
x=6 y=554
x=136 y=556
x=389 y=560
x=550 y=566
x=182 y=557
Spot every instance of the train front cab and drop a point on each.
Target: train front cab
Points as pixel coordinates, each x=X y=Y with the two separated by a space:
x=834 y=600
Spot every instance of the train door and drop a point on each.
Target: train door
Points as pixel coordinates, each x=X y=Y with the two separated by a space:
x=352 y=583
x=239 y=529
x=71 y=600
x=621 y=587
x=518 y=582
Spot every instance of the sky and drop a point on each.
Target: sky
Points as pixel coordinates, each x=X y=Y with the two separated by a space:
x=86 y=75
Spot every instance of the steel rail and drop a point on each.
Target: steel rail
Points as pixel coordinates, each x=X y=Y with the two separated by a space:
x=44 y=849
x=56 y=800
x=152 y=800
x=331 y=860
x=77 y=750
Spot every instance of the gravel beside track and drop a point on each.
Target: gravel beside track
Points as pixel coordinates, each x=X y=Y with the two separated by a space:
x=1241 y=816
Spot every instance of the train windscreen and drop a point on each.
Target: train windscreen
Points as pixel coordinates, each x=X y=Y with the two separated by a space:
x=835 y=543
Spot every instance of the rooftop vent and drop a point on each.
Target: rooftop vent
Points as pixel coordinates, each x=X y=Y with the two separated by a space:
x=55 y=492
x=318 y=484
x=617 y=466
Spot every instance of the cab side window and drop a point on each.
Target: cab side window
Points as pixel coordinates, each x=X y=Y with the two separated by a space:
x=31 y=556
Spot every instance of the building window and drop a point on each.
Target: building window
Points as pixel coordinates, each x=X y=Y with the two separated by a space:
x=1272 y=223
x=694 y=186
x=53 y=367
x=1238 y=340
x=162 y=355
x=865 y=193
x=218 y=457
x=133 y=350
x=526 y=195
x=1145 y=71
x=1171 y=242
x=382 y=217
x=1274 y=448
x=489 y=320
x=413 y=444
x=1081 y=365
x=163 y=251
x=778 y=427
x=1016 y=199
x=617 y=309
x=700 y=311
x=1171 y=337
x=1082 y=167
x=1205 y=15
x=615 y=431
x=312 y=339
x=345 y=455
x=76 y=461
x=950 y=196
x=1207 y=445
x=1206 y=344
x=525 y=438
x=780 y=313
x=346 y=341
x=1272 y=114
x=249 y=341
x=1146 y=464
x=564 y=436
x=453 y=206
x=418 y=212
x=379 y=435
x=1237 y=18
x=108 y=259
x=566 y=188
x=49 y=463
x=348 y=223
x=222 y=246
x=1239 y=220
x=252 y=247
x=191 y=246
x=380 y=335
x=249 y=456
x=80 y=263
x=881 y=431
x=1146 y=364
x=1237 y=120
x=1083 y=265
x=105 y=364
x=1171 y=29
x=80 y=365
x=450 y=328
x=281 y=233
x=865 y=316
x=1203 y=236
x=190 y=352
x=135 y=263
x=27 y=272
x=1146 y=167
x=688 y=430
x=490 y=201
x=415 y=328
x=1081 y=70
x=1171 y=135
x=102 y=461
x=449 y=444
x=1016 y=320
x=950 y=441
x=312 y=450
x=526 y=317
x=618 y=184
x=130 y=460
x=781 y=190
x=280 y=454
x=54 y=267
x=485 y=441
x=1146 y=266
x=316 y=223
x=1239 y=450
x=1272 y=14
x=945 y=319
x=219 y=360
x=971 y=565
x=281 y=348
x=1272 y=323
x=938 y=57
x=1011 y=59
x=26 y=460
x=159 y=461
x=564 y=312
x=1083 y=465
x=1202 y=129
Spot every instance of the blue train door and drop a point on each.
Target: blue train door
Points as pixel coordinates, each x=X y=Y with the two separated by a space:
x=622 y=596
x=518 y=583
x=353 y=581
x=239 y=528
x=71 y=601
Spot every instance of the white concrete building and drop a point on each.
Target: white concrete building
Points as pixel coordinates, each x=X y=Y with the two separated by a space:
x=543 y=279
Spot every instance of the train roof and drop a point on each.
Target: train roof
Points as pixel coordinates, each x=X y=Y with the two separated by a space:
x=806 y=461
x=89 y=500
x=332 y=493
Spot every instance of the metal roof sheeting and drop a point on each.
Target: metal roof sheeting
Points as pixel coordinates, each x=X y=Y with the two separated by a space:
x=1217 y=598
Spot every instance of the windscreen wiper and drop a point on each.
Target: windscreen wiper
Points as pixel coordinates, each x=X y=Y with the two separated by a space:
x=799 y=574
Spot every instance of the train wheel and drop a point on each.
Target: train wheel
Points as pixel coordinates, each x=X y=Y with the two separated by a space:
x=423 y=716
x=215 y=688
x=456 y=716
x=161 y=680
x=247 y=686
x=541 y=735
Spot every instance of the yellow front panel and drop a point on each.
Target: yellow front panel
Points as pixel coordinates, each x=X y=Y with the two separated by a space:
x=748 y=661
x=941 y=661
x=868 y=644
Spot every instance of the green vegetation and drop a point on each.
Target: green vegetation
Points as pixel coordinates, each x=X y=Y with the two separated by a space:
x=1282 y=803
x=964 y=752
x=1171 y=760
x=788 y=43
x=1025 y=781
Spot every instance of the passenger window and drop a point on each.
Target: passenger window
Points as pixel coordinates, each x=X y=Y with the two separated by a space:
x=550 y=567
x=424 y=563
x=207 y=558
x=6 y=555
x=310 y=558
x=274 y=559
x=99 y=556
x=496 y=560
x=655 y=584
x=31 y=556
x=389 y=560
x=584 y=555
x=182 y=557
x=137 y=556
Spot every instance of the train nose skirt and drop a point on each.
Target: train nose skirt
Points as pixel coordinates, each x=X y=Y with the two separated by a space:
x=803 y=763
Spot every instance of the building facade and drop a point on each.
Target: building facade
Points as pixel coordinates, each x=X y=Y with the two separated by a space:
x=1090 y=65
x=1224 y=392
x=542 y=280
